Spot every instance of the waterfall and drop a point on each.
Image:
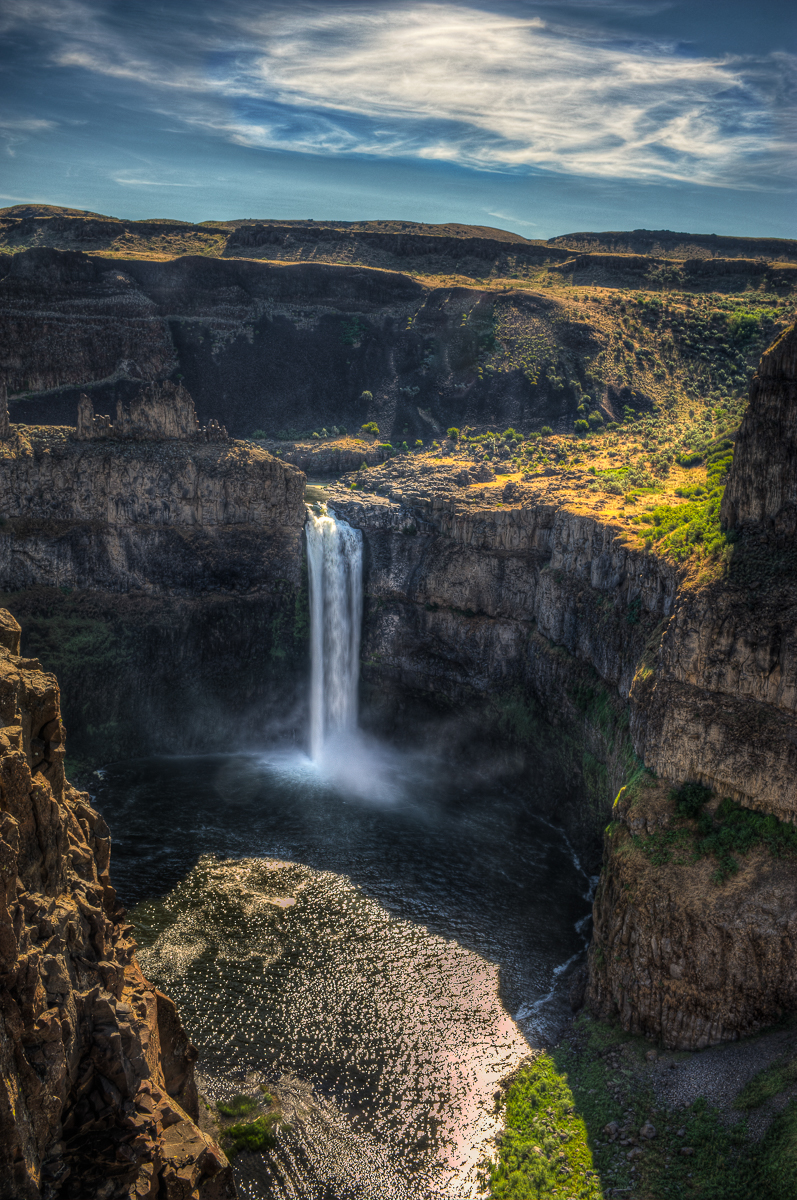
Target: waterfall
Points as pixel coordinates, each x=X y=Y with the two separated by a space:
x=334 y=559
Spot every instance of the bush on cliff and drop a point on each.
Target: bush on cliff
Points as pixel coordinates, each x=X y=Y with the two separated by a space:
x=728 y=832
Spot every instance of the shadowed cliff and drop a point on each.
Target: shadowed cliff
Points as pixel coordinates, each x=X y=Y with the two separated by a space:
x=97 y=1095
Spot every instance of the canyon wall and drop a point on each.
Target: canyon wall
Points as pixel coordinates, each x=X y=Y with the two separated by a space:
x=593 y=659
x=762 y=489
x=519 y=627
x=679 y=953
x=265 y=346
x=97 y=1095
x=141 y=570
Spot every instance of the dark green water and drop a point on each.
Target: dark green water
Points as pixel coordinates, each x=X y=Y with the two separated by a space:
x=381 y=951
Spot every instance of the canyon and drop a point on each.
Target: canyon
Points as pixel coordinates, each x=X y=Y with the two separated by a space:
x=516 y=622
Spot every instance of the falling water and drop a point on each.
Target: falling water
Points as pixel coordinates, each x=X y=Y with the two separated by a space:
x=334 y=557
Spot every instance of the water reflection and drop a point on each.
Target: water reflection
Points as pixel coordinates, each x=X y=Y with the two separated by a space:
x=424 y=913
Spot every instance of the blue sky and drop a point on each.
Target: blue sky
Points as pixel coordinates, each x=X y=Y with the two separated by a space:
x=540 y=118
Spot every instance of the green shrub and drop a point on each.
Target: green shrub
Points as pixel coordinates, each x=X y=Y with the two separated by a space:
x=250 y=1136
x=453 y=433
x=731 y=830
x=546 y=431
x=581 y=426
x=370 y=427
x=540 y=1123
x=418 y=443
x=691 y=799
x=595 y=419
x=689 y=458
x=743 y=326
x=259 y=435
x=239 y=1106
x=367 y=396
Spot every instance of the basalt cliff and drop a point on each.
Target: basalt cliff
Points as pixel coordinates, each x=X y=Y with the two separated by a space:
x=587 y=658
x=143 y=560
x=97 y=1095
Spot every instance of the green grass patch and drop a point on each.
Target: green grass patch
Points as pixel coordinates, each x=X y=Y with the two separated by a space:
x=725 y=835
x=544 y=1149
x=769 y=1082
x=250 y=1136
x=239 y=1106
x=573 y=1115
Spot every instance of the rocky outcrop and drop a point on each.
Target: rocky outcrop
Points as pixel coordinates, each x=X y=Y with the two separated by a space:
x=97 y=1097
x=762 y=488
x=676 y=953
x=528 y=620
x=678 y=956
x=162 y=410
x=544 y=612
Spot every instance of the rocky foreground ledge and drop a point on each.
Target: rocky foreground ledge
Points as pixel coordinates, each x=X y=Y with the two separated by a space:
x=97 y=1092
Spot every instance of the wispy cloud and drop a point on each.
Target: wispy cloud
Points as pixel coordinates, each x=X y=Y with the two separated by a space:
x=127 y=181
x=513 y=220
x=442 y=81
x=15 y=130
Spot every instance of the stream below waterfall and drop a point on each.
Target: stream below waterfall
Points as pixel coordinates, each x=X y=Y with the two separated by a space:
x=362 y=932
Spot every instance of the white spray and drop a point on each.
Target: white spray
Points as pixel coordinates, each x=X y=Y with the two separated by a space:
x=334 y=559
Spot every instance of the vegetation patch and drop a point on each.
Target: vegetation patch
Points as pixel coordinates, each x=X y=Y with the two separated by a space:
x=239 y=1135
x=250 y=1136
x=726 y=834
x=583 y=1122
x=769 y=1082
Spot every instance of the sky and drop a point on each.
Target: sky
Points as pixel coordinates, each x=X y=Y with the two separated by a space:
x=541 y=118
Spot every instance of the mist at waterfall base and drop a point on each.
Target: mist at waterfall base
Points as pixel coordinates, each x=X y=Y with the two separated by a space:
x=363 y=931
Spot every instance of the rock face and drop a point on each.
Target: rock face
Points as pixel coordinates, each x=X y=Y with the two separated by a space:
x=676 y=955
x=146 y=556
x=162 y=410
x=269 y=346
x=762 y=488
x=610 y=658
x=97 y=1097
x=529 y=617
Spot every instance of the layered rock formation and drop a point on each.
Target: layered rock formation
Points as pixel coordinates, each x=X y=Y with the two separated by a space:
x=676 y=953
x=522 y=625
x=97 y=1097
x=602 y=658
x=679 y=956
x=145 y=557
x=269 y=346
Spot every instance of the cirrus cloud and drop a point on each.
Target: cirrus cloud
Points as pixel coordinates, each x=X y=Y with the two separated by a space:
x=452 y=82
